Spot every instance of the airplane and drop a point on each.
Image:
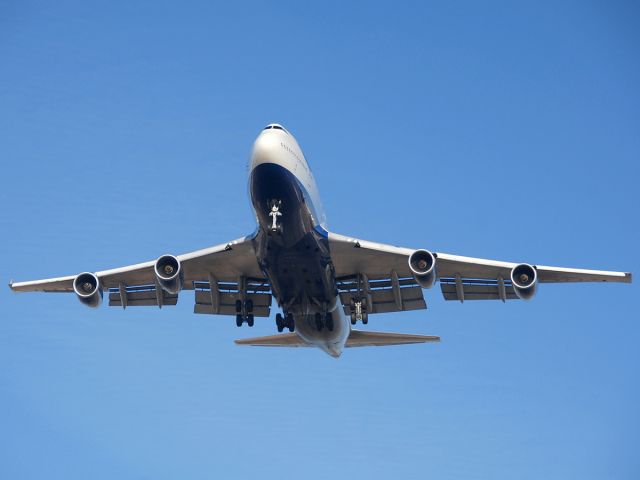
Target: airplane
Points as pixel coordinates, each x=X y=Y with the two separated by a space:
x=324 y=282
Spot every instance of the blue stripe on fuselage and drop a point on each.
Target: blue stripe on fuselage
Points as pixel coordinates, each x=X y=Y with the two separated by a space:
x=273 y=181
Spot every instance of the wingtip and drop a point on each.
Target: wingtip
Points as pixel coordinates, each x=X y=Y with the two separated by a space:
x=426 y=338
x=628 y=277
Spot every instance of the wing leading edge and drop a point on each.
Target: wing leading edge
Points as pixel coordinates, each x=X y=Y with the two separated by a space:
x=460 y=277
x=357 y=338
x=227 y=262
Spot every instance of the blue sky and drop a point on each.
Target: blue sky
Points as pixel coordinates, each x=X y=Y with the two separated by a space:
x=486 y=129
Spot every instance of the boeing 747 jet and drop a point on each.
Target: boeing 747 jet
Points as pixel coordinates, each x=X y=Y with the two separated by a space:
x=324 y=283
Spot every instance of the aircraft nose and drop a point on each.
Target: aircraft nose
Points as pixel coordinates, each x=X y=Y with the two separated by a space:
x=264 y=148
x=268 y=146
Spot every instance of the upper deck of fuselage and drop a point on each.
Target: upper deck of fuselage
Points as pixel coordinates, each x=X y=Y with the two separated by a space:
x=277 y=146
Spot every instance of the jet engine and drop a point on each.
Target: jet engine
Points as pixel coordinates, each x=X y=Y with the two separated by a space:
x=525 y=281
x=88 y=289
x=422 y=264
x=169 y=273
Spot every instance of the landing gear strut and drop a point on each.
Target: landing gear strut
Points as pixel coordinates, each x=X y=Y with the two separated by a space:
x=274 y=214
x=285 y=322
x=359 y=311
x=244 y=312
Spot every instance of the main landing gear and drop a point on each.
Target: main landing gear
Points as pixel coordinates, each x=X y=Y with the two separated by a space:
x=285 y=322
x=244 y=312
x=276 y=227
x=359 y=311
x=328 y=321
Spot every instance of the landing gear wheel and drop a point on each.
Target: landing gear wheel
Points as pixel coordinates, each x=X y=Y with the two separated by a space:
x=279 y=323
x=353 y=319
x=365 y=318
x=328 y=321
x=238 y=306
x=248 y=306
x=239 y=320
x=250 y=319
x=319 y=324
x=290 y=324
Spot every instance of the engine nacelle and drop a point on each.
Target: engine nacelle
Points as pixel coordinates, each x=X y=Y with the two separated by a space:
x=88 y=289
x=169 y=273
x=422 y=264
x=524 y=279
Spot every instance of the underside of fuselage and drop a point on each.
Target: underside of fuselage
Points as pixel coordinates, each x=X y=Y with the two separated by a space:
x=293 y=252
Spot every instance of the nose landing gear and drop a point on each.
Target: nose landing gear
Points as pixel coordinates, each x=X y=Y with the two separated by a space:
x=276 y=227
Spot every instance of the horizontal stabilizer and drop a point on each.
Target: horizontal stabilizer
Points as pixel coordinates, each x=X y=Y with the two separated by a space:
x=360 y=338
x=357 y=338
x=279 y=340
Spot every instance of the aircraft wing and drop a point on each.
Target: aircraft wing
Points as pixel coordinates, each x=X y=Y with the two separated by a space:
x=215 y=273
x=461 y=278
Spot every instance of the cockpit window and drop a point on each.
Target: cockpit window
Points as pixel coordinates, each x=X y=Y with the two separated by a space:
x=275 y=127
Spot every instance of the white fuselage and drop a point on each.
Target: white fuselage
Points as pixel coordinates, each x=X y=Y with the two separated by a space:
x=278 y=169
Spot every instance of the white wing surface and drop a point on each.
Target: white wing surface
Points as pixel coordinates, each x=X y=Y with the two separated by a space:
x=226 y=262
x=460 y=277
x=219 y=275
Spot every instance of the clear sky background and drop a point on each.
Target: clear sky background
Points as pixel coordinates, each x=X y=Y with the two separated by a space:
x=476 y=128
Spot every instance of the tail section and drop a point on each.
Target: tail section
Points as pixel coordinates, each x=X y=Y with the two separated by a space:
x=279 y=340
x=360 y=338
x=357 y=338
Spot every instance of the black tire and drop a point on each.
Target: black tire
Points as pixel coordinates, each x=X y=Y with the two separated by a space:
x=279 y=322
x=250 y=319
x=365 y=318
x=239 y=320
x=290 y=323
x=353 y=319
x=248 y=306
x=238 y=306
x=330 y=324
